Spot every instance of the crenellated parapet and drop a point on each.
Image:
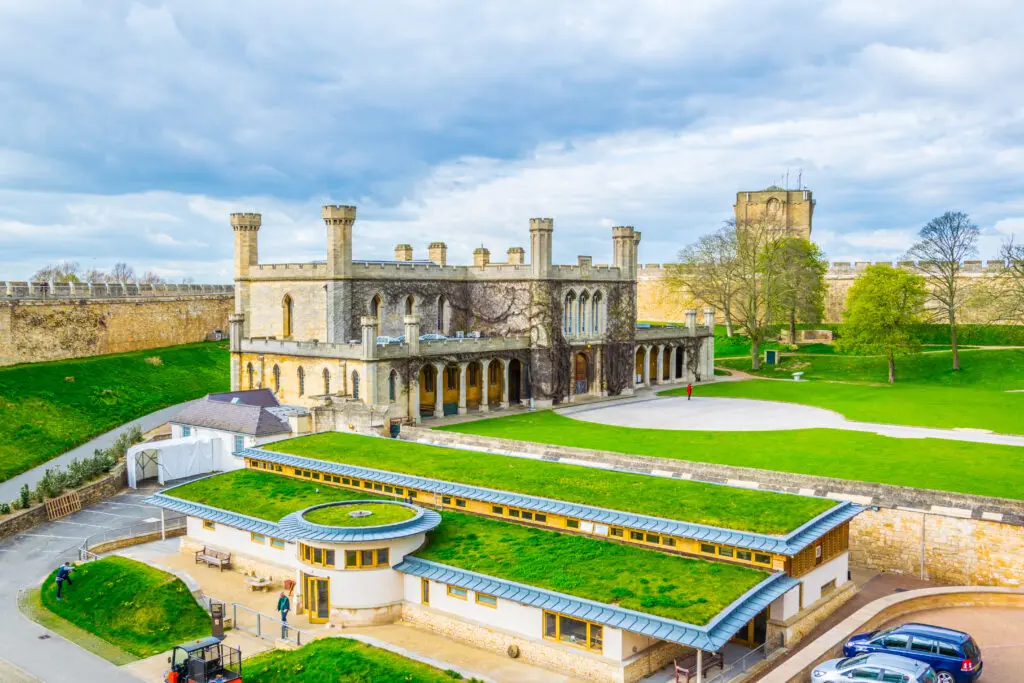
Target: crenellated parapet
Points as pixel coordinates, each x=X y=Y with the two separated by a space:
x=14 y=290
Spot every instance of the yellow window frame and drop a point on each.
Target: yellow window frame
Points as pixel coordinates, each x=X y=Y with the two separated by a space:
x=308 y=555
x=277 y=544
x=258 y=538
x=464 y=596
x=379 y=557
x=558 y=631
x=493 y=605
x=209 y=526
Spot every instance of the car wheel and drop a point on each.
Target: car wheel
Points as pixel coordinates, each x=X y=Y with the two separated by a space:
x=944 y=677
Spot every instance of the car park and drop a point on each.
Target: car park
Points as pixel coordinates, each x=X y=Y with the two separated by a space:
x=873 y=667
x=954 y=655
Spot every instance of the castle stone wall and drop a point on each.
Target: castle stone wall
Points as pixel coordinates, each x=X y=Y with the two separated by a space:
x=37 y=324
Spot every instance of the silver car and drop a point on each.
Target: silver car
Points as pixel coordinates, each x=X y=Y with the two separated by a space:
x=873 y=667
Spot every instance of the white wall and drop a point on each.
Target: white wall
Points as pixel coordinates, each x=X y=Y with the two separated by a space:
x=512 y=617
x=785 y=606
x=837 y=568
x=234 y=540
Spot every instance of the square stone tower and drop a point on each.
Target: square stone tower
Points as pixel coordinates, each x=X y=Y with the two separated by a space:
x=792 y=209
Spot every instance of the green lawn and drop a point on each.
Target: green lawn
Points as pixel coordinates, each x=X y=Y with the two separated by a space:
x=691 y=590
x=732 y=508
x=940 y=464
x=134 y=607
x=380 y=514
x=338 y=659
x=927 y=392
x=47 y=409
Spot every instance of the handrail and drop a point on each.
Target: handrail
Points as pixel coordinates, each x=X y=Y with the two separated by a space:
x=169 y=523
x=741 y=665
x=288 y=632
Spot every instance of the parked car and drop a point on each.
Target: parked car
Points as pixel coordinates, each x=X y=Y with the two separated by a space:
x=954 y=655
x=873 y=667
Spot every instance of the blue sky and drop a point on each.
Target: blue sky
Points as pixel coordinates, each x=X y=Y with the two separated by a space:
x=130 y=130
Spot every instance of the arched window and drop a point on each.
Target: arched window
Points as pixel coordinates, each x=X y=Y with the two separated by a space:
x=442 y=315
x=410 y=305
x=596 y=322
x=355 y=385
x=287 y=315
x=392 y=381
x=302 y=381
x=249 y=371
x=277 y=380
x=377 y=311
x=570 y=303
x=327 y=381
x=584 y=311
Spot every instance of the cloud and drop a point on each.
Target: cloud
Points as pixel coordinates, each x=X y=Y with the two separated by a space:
x=131 y=129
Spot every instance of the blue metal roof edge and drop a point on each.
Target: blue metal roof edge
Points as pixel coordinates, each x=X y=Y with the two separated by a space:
x=790 y=544
x=214 y=514
x=710 y=637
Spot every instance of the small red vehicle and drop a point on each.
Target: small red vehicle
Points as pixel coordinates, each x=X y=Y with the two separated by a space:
x=206 y=660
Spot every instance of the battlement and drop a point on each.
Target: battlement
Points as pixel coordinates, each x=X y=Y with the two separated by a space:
x=542 y=224
x=246 y=221
x=12 y=291
x=623 y=232
x=845 y=268
x=339 y=213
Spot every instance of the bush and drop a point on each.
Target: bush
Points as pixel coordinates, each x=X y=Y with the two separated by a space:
x=23 y=497
x=937 y=333
x=5 y=509
x=55 y=481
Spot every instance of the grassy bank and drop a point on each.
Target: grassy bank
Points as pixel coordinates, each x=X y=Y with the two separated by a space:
x=339 y=659
x=732 y=508
x=963 y=467
x=132 y=606
x=47 y=409
x=927 y=392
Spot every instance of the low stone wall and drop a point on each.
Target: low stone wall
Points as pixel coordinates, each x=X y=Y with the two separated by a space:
x=109 y=485
x=798 y=626
x=798 y=668
x=134 y=540
x=967 y=539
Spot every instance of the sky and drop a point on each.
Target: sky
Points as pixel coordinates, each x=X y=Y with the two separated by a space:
x=129 y=131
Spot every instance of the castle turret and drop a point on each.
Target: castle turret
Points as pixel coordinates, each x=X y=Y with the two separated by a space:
x=403 y=252
x=516 y=256
x=438 y=253
x=625 y=243
x=481 y=257
x=792 y=210
x=339 y=219
x=247 y=227
x=540 y=246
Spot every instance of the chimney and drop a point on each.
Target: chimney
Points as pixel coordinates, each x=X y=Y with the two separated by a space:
x=481 y=257
x=516 y=256
x=403 y=252
x=438 y=253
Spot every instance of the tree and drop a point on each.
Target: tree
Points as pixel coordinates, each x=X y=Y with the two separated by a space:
x=1011 y=290
x=882 y=307
x=804 y=287
x=122 y=272
x=758 y=304
x=941 y=248
x=62 y=271
x=151 y=278
x=707 y=270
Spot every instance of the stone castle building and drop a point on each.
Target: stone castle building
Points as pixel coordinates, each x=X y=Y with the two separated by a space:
x=410 y=338
x=658 y=301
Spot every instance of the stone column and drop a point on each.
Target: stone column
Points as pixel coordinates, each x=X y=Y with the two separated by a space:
x=672 y=364
x=439 y=391
x=504 y=384
x=691 y=321
x=412 y=334
x=656 y=377
x=647 y=366
x=462 y=388
x=709 y=344
x=368 y=323
x=414 y=398
x=485 y=367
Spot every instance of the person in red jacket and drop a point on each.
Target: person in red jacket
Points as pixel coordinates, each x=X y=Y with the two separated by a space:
x=689 y=391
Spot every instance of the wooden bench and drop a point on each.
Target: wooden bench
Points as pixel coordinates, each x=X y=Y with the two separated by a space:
x=214 y=558
x=687 y=666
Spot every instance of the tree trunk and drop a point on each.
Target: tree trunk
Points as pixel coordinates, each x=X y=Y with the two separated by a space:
x=728 y=323
x=892 y=368
x=792 y=326
x=755 y=357
x=952 y=339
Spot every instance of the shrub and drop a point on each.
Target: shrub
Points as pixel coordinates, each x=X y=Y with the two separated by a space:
x=23 y=497
x=5 y=509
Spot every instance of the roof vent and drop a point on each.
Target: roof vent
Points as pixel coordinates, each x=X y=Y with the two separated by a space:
x=360 y=513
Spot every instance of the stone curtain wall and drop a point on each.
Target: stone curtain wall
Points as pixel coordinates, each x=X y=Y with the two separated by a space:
x=36 y=328
x=658 y=302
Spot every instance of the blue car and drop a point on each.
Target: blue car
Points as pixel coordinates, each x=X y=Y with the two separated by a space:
x=954 y=655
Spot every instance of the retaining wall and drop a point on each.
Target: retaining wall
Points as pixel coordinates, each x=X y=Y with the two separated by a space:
x=967 y=539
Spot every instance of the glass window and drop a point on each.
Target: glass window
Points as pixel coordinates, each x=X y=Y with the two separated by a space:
x=318 y=556
x=365 y=558
x=572 y=523
x=497 y=509
x=893 y=677
x=865 y=673
x=388 y=489
x=336 y=480
x=947 y=650
x=550 y=625
x=596 y=637
x=208 y=525
x=186 y=431
x=298 y=473
x=513 y=513
x=382 y=557
x=895 y=640
x=277 y=544
x=459 y=593
x=445 y=500
x=329 y=558
x=572 y=631
x=367 y=484
x=412 y=494
x=488 y=600
x=351 y=559
x=316 y=475
x=762 y=559
x=527 y=514
x=258 y=538
x=724 y=552
x=707 y=548
x=459 y=502
x=744 y=555
x=922 y=645
x=653 y=538
x=636 y=536
x=670 y=542
x=306 y=473
x=239 y=443
x=615 y=531
x=399 y=490
x=378 y=487
x=541 y=518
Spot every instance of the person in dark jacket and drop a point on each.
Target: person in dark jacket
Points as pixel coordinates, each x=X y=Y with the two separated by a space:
x=284 y=606
x=63 y=574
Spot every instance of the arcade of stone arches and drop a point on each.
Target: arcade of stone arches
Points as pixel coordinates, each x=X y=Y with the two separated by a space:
x=468 y=385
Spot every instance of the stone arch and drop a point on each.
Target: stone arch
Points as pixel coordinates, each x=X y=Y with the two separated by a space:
x=567 y=312
x=443 y=315
x=652 y=363
x=375 y=308
x=287 y=315
x=666 y=359
x=581 y=372
x=250 y=372
x=410 y=305
x=327 y=381
x=597 y=315
x=277 y=379
x=428 y=389
x=582 y=317
x=392 y=386
x=474 y=384
x=639 y=369
x=301 y=373
x=495 y=371
x=450 y=388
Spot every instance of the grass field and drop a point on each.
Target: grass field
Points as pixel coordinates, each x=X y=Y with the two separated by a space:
x=136 y=608
x=47 y=409
x=732 y=508
x=964 y=467
x=691 y=590
x=339 y=659
x=927 y=392
x=380 y=514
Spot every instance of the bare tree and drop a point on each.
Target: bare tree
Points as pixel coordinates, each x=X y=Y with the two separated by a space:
x=708 y=271
x=62 y=271
x=759 y=303
x=94 y=275
x=942 y=245
x=122 y=272
x=188 y=280
x=1011 y=289
x=151 y=278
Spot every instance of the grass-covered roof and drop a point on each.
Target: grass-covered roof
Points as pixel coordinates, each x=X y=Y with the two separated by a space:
x=723 y=506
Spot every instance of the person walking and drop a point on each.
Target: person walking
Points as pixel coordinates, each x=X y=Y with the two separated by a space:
x=63 y=574
x=284 y=606
x=689 y=391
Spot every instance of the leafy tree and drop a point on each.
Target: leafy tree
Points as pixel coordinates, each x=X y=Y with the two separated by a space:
x=941 y=248
x=62 y=271
x=804 y=286
x=882 y=307
x=759 y=304
x=1011 y=291
x=707 y=270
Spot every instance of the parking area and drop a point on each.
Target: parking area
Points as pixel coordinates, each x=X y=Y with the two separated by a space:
x=999 y=632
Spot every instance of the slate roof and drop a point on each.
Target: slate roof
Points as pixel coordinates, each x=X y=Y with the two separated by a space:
x=252 y=397
x=789 y=544
x=239 y=418
x=294 y=528
x=710 y=637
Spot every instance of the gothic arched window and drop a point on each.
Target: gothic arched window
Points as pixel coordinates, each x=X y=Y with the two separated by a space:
x=287 y=315
x=327 y=381
x=277 y=380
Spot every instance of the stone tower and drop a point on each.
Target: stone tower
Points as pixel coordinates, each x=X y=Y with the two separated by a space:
x=793 y=209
